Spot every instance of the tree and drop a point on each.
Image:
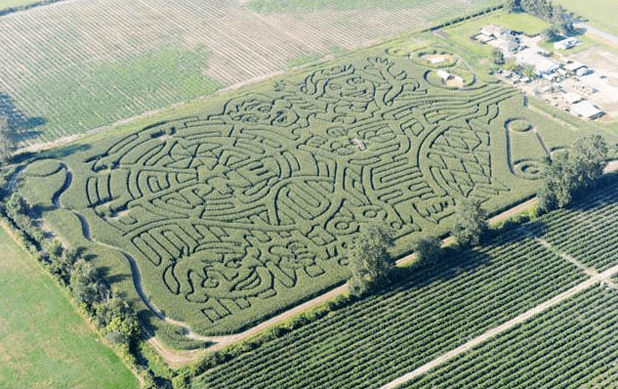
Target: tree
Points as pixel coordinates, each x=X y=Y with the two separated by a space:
x=512 y=5
x=589 y=156
x=497 y=56
x=553 y=33
x=569 y=172
x=86 y=284
x=370 y=260
x=470 y=222
x=428 y=249
x=6 y=140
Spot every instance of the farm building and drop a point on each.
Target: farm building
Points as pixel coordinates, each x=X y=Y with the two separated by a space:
x=484 y=38
x=437 y=59
x=573 y=66
x=540 y=64
x=506 y=43
x=495 y=31
x=444 y=75
x=586 y=110
x=567 y=43
x=583 y=71
x=572 y=97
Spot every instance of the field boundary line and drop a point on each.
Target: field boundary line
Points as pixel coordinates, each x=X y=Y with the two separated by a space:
x=604 y=277
x=567 y=257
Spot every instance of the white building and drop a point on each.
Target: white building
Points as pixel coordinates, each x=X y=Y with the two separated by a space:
x=573 y=66
x=583 y=71
x=444 y=75
x=567 y=43
x=572 y=97
x=541 y=65
x=586 y=110
x=493 y=30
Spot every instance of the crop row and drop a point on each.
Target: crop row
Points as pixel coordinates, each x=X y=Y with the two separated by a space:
x=74 y=73
x=568 y=346
x=587 y=230
x=435 y=309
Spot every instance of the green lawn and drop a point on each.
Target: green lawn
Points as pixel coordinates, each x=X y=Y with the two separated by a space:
x=44 y=343
x=14 y=3
x=600 y=13
x=19 y=3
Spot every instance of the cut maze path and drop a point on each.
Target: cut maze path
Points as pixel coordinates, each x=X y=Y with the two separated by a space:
x=177 y=358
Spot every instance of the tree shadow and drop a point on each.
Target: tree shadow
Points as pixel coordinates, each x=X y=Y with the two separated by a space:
x=591 y=198
x=106 y=273
x=22 y=127
x=460 y=259
x=65 y=151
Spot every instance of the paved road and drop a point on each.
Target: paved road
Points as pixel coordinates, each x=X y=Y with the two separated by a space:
x=598 y=33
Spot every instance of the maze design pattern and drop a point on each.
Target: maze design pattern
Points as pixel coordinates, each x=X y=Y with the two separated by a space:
x=238 y=204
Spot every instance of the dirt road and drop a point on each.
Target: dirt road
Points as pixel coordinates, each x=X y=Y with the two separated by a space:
x=177 y=358
x=605 y=277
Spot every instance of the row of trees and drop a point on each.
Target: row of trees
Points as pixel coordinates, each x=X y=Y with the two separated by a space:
x=372 y=264
x=571 y=172
x=113 y=315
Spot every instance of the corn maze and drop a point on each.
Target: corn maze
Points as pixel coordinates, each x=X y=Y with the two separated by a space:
x=439 y=307
x=250 y=206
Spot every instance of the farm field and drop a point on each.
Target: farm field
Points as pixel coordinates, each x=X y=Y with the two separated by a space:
x=568 y=346
x=247 y=205
x=600 y=13
x=4 y=4
x=587 y=232
x=436 y=310
x=44 y=342
x=74 y=66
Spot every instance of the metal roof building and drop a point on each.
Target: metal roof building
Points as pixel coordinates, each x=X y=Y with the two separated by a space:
x=586 y=109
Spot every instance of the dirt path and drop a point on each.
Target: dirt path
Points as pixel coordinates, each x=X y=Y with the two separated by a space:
x=588 y=270
x=603 y=277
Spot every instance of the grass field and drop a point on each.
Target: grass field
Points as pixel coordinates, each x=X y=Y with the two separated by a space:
x=15 y=3
x=112 y=60
x=44 y=342
x=600 y=13
x=248 y=204
x=436 y=309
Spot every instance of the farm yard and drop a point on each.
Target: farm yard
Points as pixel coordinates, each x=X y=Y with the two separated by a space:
x=74 y=66
x=249 y=206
